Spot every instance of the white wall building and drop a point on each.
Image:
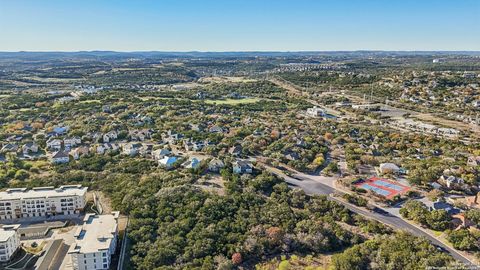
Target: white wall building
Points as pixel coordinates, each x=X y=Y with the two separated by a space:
x=9 y=241
x=315 y=112
x=17 y=203
x=95 y=242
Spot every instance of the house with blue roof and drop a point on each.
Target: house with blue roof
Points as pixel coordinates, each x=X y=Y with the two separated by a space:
x=167 y=161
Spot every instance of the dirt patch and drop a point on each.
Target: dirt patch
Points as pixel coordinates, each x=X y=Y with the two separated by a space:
x=213 y=183
x=104 y=202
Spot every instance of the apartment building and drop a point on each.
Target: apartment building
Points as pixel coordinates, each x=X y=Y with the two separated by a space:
x=95 y=242
x=9 y=241
x=17 y=203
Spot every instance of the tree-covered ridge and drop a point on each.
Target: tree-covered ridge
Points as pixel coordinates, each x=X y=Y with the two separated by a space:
x=177 y=225
x=398 y=251
x=182 y=226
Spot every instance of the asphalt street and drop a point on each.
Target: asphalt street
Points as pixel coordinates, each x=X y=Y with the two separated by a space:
x=313 y=186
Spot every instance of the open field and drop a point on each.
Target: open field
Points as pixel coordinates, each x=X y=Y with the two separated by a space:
x=232 y=101
x=226 y=80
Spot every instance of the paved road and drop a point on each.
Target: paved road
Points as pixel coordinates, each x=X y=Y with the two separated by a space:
x=46 y=260
x=59 y=257
x=312 y=185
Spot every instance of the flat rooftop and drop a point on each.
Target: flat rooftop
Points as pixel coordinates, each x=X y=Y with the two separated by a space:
x=7 y=231
x=96 y=233
x=42 y=192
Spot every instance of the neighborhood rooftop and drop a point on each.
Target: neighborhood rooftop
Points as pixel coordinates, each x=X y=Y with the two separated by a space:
x=42 y=192
x=95 y=234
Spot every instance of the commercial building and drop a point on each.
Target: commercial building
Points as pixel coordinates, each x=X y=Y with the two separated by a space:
x=17 y=203
x=95 y=242
x=9 y=241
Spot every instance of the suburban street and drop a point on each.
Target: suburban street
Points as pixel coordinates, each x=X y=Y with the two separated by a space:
x=316 y=184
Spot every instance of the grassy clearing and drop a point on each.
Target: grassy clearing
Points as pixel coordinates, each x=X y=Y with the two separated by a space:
x=232 y=101
x=25 y=109
x=90 y=101
x=37 y=249
x=222 y=79
x=309 y=262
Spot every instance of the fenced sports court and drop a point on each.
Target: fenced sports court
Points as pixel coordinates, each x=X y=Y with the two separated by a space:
x=383 y=187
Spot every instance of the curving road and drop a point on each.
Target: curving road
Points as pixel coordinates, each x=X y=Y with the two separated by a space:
x=311 y=185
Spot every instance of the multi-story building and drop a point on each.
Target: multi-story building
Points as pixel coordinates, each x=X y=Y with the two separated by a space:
x=9 y=241
x=95 y=242
x=17 y=203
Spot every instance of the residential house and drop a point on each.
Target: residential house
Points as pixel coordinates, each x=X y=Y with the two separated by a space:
x=9 y=147
x=193 y=145
x=439 y=205
x=191 y=163
x=201 y=95
x=160 y=153
x=54 y=145
x=146 y=150
x=235 y=95
x=291 y=155
x=79 y=151
x=110 y=136
x=51 y=134
x=216 y=129
x=171 y=137
x=459 y=221
x=140 y=135
x=389 y=168
x=215 y=165
x=451 y=181
x=29 y=147
x=235 y=150
x=301 y=142
x=196 y=127
x=167 y=161
x=60 y=157
x=106 y=109
x=107 y=147
x=435 y=185
x=92 y=137
x=68 y=143
x=60 y=130
x=257 y=133
x=315 y=112
x=242 y=167
x=473 y=161
x=15 y=138
x=131 y=149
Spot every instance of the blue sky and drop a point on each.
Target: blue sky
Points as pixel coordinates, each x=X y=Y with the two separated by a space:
x=236 y=25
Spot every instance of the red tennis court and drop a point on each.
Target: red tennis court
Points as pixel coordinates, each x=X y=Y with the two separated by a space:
x=384 y=187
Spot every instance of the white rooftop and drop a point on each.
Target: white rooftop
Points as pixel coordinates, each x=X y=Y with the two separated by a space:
x=7 y=231
x=42 y=192
x=96 y=233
